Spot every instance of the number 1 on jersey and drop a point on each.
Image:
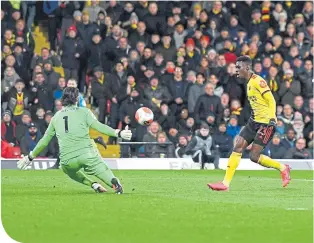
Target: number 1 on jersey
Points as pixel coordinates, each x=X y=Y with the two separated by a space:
x=66 y=124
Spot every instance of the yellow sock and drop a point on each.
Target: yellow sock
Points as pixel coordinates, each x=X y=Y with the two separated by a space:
x=233 y=163
x=270 y=163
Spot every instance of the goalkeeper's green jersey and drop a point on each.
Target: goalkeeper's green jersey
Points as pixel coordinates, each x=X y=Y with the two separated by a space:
x=71 y=126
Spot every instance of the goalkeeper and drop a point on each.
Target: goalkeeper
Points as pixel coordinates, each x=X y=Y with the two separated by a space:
x=78 y=156
x=81 y=103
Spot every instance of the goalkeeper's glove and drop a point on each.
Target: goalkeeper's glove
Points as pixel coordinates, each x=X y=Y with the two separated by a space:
x=24 y=162
x=272 y=122
x=125 y=134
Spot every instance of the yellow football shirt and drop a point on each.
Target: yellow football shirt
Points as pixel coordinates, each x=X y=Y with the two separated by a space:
x=19 y=108
x=256 y=88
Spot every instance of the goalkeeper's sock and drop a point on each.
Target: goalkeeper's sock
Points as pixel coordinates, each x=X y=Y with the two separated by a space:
x=233 y=163
x=106 y=176
x=270 y=163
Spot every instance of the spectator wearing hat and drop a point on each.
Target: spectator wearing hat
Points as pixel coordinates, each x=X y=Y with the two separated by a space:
x=8 y=128
x=207 y=104
x=23 y=126
x=195 y=91
x=233 y=128
x=192 y=55
x=298 y=125
x=257 y=25
x=156 y=93
x=205 y=44
x=100 y=91
x=31 y=139
x=93 y=10
x=202 y=147
x=306 y=78
x=18 y=99
x=139 y=35
x=45 y=56
x=73 y=50
x=223 y=141
x=77 y=16
x=289 y=88
x=178 y=89
x=95 y=52
x=10 y=77
x=51 y=76
x=299 y=152
x=275 y=149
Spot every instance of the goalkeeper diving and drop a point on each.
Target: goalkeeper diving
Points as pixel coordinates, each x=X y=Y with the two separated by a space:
x=78 y=156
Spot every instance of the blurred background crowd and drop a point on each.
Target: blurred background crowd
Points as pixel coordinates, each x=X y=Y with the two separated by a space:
x=177 y=58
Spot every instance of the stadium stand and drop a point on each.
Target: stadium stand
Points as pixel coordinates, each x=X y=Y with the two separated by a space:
x=177 y=58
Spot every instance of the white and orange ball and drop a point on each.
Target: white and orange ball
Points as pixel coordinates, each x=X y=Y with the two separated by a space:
x=144 y=116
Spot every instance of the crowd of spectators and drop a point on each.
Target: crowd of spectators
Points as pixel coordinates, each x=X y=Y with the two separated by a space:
x=177 y=58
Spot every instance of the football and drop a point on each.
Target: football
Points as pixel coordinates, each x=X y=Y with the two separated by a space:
x=144 y=116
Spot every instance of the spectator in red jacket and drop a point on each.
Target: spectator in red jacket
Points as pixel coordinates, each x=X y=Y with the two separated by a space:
x=8 y=128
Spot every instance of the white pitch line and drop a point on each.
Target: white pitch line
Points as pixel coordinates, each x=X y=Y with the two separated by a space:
x=297 y=209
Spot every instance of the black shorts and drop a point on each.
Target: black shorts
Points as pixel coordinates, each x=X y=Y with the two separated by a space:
x=259 y=133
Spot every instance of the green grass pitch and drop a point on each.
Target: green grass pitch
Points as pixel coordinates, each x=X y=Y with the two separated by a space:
x=158 y=207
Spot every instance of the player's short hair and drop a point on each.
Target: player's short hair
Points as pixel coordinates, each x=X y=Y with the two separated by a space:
x=70 y=96
x=245 y=59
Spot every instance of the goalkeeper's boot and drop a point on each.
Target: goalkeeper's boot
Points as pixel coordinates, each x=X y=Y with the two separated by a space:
x=98 y=188
x=117 y=186
x=285 y=176
x=101 y=141
x=219 y=186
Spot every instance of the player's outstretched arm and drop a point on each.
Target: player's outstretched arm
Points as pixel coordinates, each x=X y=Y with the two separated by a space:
x=43 y=143
x=92 y=122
